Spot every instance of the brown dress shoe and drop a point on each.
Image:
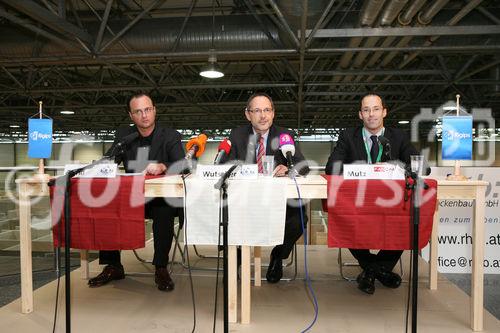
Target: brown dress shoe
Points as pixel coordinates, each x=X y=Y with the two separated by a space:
x=109 y=273
x=163 y=279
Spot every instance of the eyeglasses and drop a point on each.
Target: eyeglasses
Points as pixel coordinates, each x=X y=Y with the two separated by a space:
x=143 y=111
x=264 y=111
x=375 y=109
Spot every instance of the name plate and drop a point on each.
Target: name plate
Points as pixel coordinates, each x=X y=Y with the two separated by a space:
x=245 y=171
x=373 y=171
x=103 y=170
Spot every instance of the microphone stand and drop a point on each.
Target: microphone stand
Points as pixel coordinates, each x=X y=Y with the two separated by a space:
x=66 y=182
x=416 y=191
x=291 y=167
x=222 y=186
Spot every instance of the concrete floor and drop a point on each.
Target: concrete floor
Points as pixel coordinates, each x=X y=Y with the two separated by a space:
x=134 y=304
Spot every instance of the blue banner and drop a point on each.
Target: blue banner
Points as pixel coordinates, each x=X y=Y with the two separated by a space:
x=40 y=138
x=457 y=138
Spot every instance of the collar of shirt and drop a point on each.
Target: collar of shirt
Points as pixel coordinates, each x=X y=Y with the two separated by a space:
x=367 y=134
x=145 y=141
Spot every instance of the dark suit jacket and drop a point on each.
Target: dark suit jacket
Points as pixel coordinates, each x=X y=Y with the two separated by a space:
x=243 y=146
x=165 y=148
x=350 y=148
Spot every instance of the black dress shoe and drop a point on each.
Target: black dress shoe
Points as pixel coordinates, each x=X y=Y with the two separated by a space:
x=163 y=279
x=366 y=281
x=109 y=273
x=388 y=278
x=275 y=270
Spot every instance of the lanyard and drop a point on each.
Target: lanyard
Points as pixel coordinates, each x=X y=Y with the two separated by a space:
x=379 y=156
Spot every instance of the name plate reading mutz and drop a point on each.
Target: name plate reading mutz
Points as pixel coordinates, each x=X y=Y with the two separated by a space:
x=373 y=171
x=245 y=171
x=103 y=170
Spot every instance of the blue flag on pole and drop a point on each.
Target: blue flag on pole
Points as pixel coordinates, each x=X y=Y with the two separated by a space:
x=457 y=138
x=40 y=138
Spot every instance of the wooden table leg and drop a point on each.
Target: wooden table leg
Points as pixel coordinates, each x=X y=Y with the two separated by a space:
x=257 y=261
x=84 y=264
x=232 y=285
x=25 y=249
x=477 y=291
x=245 y=285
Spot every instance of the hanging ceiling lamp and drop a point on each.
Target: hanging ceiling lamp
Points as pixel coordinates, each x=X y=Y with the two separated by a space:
x=212 y=71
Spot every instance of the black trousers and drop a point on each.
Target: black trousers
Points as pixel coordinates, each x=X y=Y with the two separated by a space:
x=293 y=229
x=163 y=216
x=384 y=258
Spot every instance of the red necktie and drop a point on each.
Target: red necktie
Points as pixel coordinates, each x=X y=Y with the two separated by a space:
x=260 y=155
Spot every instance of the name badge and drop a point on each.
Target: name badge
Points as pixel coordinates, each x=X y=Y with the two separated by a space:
x=245 y=171
x=373 y=171
x=104 y=170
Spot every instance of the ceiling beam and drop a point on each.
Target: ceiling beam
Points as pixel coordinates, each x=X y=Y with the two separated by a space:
x=130 y=25
x=44 y=16
x=407 y=31
x=104 y=23
x=376 y=72
x=39 y=31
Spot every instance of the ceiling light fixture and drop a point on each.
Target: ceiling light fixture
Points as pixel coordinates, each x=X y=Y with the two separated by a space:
x=14 y=126
x=403 y=122
x=67 y=112
x=212 y=71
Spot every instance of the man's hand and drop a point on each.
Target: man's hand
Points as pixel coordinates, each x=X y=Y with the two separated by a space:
x=155 y=169
x=280 y=171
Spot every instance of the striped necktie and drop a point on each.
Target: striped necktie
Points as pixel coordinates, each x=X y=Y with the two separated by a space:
x=260 y=155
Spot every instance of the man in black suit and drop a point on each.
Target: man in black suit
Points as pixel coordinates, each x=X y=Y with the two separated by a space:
x=362 y=145
x=154 y=151
x=261 y=135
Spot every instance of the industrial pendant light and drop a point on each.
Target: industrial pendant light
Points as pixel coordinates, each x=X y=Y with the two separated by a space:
x=212 y=71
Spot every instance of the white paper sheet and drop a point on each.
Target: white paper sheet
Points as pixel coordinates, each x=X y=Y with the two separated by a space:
x=202 y=212
x=257 y=210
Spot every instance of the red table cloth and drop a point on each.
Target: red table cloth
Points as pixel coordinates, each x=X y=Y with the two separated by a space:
x=372 y=214
x=106 y=213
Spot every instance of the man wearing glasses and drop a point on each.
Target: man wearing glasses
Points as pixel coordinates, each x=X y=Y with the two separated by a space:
x=362 y=145
x=154 y=152
x=261 y=137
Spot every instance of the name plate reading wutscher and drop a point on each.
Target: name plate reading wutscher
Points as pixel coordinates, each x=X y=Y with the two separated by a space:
x=245 y=171
x=373 y=171
x=103 y=170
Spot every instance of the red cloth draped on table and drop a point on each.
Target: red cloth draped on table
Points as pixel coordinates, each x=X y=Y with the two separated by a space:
x=106 y=213
x=360 y=215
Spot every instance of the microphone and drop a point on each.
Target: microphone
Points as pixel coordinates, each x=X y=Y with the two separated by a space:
x=129 y=138
x=224 y=149
x=118 y=149
x=287 y=148
x=425 y=172
x=196 y=146
x=226 y=175
x=386 y=148
x=252 y=147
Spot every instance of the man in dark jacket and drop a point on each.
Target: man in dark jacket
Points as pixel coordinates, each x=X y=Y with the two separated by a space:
x=154 y=151
x=250 y=143
x=362 y=145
